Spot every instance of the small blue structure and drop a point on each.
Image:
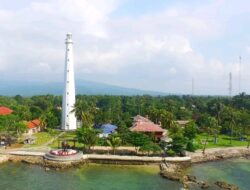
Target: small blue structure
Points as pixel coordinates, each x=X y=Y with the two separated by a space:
x=106 y=129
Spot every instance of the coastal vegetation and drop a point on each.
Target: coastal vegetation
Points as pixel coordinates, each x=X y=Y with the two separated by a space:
x=213 y=121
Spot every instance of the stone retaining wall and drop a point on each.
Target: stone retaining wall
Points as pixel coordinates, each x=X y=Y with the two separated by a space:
x=38 y=158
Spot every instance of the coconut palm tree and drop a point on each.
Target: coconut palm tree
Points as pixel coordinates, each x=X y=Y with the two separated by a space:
x=114 y=142
x=87 y=136
x=232 y=123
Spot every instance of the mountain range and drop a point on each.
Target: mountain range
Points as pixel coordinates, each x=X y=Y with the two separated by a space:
x=12 y=88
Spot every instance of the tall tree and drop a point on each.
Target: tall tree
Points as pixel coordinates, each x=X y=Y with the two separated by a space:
x=87 y=136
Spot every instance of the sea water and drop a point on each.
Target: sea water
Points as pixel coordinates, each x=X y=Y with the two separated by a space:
x=235 y=171
x=88 y=177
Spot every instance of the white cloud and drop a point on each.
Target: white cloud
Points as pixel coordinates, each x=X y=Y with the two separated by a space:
x=248 y=49
x=157 y=51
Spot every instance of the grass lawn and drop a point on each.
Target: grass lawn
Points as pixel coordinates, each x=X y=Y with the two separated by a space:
x=41 y=138
x=68 y=135
x=223 y=141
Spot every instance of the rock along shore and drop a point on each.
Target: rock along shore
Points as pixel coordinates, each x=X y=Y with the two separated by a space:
x=175 y=171
x=215 y=154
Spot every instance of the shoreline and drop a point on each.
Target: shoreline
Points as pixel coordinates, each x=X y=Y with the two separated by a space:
x=178 y=173
x=171 y=168
x=213 y=154
x=217 y=154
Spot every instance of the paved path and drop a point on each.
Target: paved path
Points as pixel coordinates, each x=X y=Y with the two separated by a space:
x=53 y=139
x=148 y=159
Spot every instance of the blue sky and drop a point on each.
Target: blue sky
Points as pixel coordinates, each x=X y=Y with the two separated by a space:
x=146 y=44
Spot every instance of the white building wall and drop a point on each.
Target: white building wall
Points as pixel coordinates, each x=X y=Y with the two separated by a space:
x=68 y=117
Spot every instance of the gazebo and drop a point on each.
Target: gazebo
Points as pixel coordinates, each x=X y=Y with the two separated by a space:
x=60 y=141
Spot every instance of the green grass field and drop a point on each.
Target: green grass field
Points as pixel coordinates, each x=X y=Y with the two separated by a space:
x=41 y=138
x=223 y=141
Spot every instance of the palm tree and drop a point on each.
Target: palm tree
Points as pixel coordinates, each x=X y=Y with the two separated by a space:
x=43 y=120
x=167 y=119
x=20 y=128
x=85 y=112
x=247 y=132
x=87 y=119
x=114 y=142
x=232 y=123
x=87 y=136
x=218 y=108
x=206 y=130
x=215 y=128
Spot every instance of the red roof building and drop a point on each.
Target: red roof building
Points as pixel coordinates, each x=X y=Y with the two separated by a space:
x=144 y=125
x=33 y=124
x=5 y=110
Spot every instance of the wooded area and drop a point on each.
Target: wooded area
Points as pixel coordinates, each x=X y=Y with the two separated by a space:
x=209 y=115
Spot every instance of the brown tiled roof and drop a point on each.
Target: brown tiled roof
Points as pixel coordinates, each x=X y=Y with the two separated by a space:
x=142 y=124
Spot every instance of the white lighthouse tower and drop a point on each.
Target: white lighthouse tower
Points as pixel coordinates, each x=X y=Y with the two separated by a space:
x=68 y=116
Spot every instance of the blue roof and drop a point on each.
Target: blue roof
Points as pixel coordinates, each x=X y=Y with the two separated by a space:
x=107 y=128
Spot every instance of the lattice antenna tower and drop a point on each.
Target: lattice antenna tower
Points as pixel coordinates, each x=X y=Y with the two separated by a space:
x=230 y=89
x=192 y=86
x=240 y=74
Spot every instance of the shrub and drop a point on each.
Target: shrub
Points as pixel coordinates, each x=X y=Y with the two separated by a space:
x=151 y=147
x=190 y=147
x=170 y=152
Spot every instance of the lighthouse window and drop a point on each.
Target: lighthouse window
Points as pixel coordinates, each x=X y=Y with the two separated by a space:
x=67 y=115
x=67 y=49
x=67 y=59
x=67 y=93
x=67 y=81
x=67 y=70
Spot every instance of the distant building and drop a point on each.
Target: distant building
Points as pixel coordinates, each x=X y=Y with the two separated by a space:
x=5 y=111
x=144 y=125
x=106 y=129
x=33 y=126
x=182 y=123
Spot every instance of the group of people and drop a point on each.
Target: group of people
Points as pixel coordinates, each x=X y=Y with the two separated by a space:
x=66 y=146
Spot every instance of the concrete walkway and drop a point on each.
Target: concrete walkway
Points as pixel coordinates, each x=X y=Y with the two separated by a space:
x=109 y=157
